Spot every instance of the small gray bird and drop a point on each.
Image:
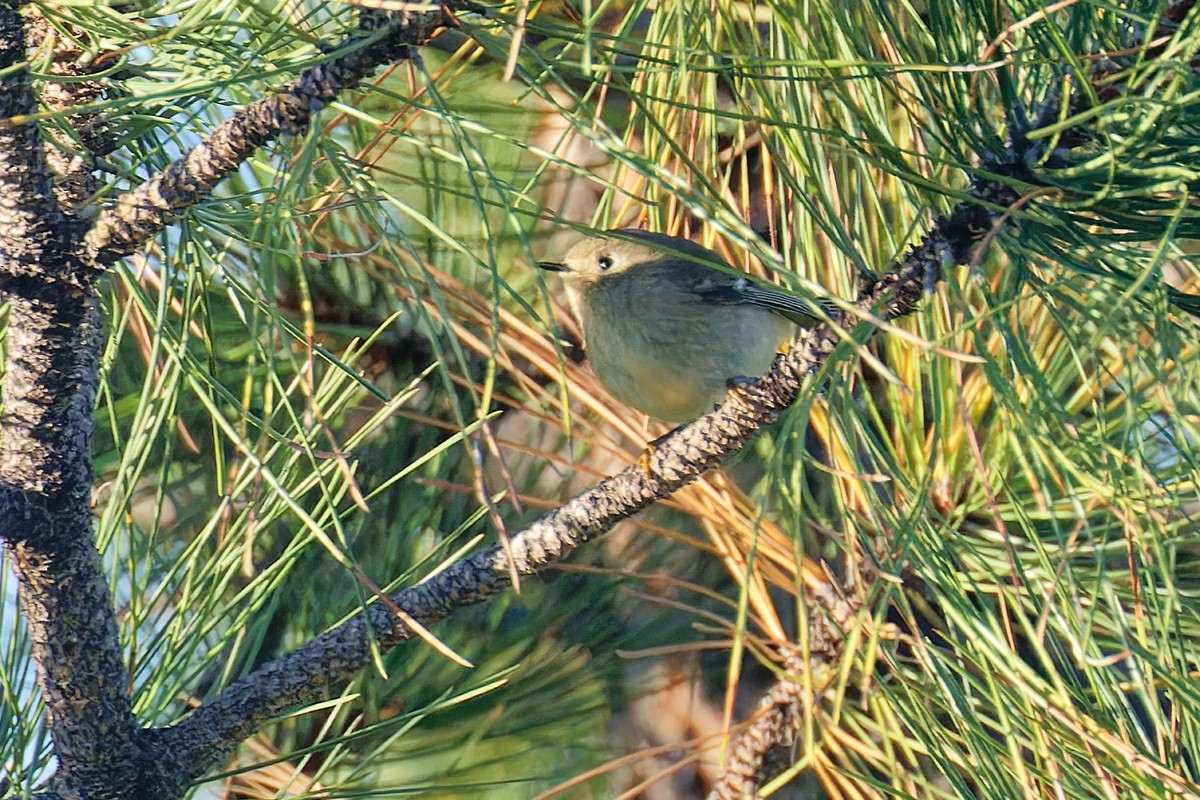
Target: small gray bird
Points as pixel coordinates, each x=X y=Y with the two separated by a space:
x=667 y=324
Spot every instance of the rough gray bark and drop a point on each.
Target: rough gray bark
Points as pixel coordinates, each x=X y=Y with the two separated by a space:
x=139 y=215
x=45 y=459
x=48 y=266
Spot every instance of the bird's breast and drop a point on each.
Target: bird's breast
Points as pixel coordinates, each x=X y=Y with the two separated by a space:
x=666 y=354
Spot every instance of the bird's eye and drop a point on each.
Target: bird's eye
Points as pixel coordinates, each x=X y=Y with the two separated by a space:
x=605 y=263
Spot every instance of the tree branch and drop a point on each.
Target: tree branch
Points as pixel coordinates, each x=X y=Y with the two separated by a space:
x=211 y=732
x=45 y=458
x=47 y=272
x=782 y=706
x=780 y=714
x=141 y=214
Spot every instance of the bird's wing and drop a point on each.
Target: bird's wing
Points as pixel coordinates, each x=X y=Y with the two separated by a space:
x=714 y=281
x=742 y=290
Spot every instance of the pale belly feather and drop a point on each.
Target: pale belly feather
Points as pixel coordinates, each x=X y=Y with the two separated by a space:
x=672 y=366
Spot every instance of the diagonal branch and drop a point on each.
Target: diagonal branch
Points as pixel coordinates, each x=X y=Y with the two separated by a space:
x=212 y=731
x=782 y=708
x=141 y=214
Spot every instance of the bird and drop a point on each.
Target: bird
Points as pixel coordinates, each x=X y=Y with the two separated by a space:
x=669 y=326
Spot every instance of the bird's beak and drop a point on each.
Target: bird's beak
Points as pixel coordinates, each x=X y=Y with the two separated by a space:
x=552 y=266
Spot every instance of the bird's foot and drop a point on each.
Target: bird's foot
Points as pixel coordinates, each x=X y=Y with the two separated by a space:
x=740 y=384
x=643 y=461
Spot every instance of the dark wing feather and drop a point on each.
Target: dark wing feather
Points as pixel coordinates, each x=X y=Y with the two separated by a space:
x=714 y=281
x=743 y=290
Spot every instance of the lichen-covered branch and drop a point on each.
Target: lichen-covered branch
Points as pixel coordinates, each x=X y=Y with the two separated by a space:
x=47 y=272
x=781 y=710
x=141 y=214
x=52 y=349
